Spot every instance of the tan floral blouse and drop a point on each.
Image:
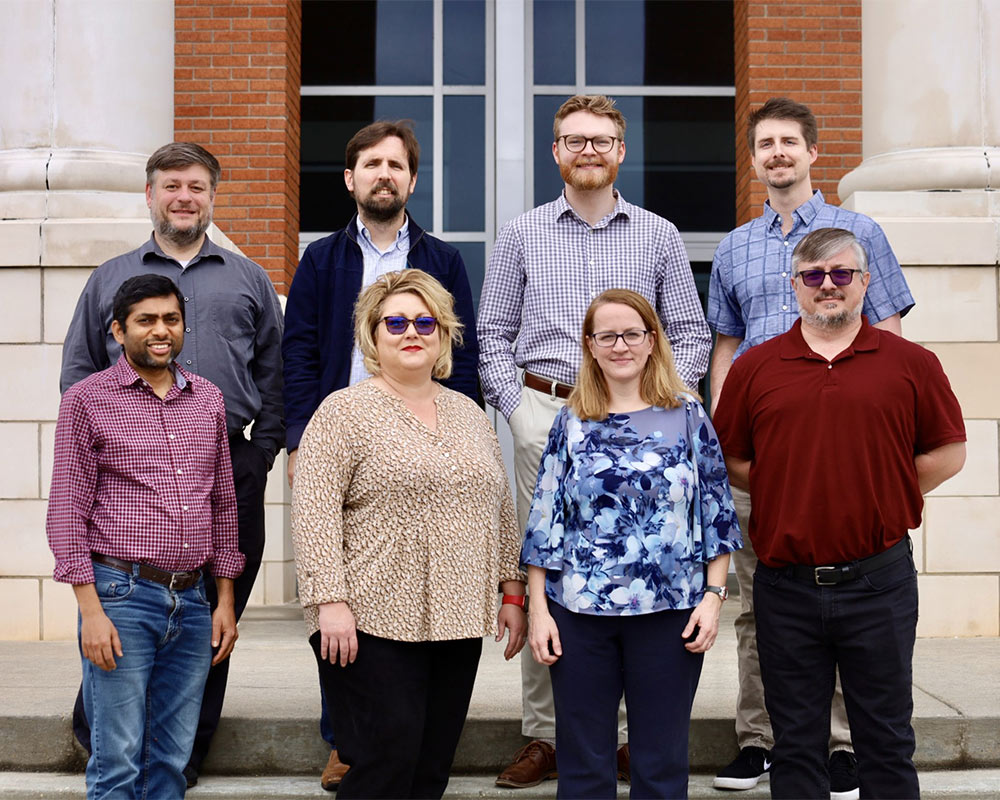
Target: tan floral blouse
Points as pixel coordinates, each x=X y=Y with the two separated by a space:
x=413 y=528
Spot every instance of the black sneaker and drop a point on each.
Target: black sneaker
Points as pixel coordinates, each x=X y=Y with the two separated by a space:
x=191 y=774
x=843 y=775
x=749 y=767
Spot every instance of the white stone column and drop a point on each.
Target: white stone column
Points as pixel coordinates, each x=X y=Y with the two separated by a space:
x=930 y=175
x=87 y=95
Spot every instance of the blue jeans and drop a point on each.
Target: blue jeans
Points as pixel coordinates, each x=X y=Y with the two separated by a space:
x=865 y=627
x=144 y=713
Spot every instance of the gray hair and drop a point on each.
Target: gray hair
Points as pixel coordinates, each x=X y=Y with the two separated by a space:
x=825 y=243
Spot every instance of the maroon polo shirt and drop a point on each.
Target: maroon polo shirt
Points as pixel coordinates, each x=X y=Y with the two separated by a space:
x=832 y=443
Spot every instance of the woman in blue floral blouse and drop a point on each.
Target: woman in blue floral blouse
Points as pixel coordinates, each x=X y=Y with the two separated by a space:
x=627 y=549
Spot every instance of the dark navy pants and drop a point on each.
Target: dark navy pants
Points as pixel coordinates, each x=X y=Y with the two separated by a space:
x=866 y=627
x=644 y=657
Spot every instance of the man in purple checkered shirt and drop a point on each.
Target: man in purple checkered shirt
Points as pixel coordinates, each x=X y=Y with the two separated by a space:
x=750 y=301
x=546 y=267
x=142 y=501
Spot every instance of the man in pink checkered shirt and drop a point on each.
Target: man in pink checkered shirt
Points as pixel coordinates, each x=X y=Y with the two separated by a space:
x=142 y=501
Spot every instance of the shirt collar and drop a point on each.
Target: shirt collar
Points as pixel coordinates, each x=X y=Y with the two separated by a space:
x=806 y=212
x=794 y=345
x=209 y=249
x=621 y=208
x=127 y=376
x=402 y=235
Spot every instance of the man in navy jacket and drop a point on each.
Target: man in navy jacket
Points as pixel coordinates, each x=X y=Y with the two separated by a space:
x=318 y=346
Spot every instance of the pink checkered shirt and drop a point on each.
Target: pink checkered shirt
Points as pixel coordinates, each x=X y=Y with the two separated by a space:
x=142 y=479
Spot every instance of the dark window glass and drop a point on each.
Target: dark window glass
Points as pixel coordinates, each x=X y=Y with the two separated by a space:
x=651 y=42
x=327 y=125
x=464 y=163
x=554 y=41
x=365 y=43
x=465 y=42
x=678 y=158
x=474 y=256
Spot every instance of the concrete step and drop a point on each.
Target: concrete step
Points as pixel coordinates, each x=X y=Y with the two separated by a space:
x=270 y=722
x=938 y=785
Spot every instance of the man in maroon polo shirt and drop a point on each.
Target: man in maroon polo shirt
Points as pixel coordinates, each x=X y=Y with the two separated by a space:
x=837 y=429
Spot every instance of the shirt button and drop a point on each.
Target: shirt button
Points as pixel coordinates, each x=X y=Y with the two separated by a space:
x=187 y=299
x=829 y=366
x=189 y=362
x=180 y=472
x=784 y=274
x=187 y=330
x=784 y=308
x=787 y=243
x=184 y=508
x=171 y=436
x=185 y=545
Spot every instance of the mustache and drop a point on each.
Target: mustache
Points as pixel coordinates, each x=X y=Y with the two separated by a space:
x=780 y=161
x=830 y=295
x=385 y=185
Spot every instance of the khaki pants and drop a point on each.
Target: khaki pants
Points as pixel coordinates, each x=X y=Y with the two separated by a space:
x=529 y=425
x=753 y=727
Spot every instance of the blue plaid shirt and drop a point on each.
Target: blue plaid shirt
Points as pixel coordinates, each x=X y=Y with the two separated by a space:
x=750 y=295
x=546 y=267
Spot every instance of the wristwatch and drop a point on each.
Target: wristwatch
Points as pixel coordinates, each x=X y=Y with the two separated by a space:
x=518 y=600
x=722 y=591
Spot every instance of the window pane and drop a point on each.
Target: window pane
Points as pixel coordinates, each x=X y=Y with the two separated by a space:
x=548 y=184
x=362 y=42
x=464 y=163
x=327 y=125
x=465 y=42
x=650 y=42
x=554 y=41
x=474 y=256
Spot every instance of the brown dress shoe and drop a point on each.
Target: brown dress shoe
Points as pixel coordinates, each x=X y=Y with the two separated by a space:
x=533 y=763
x=624 y=764
x=334 y=772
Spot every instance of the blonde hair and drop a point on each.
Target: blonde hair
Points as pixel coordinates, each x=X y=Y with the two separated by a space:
x=659 y=384
x=440 y=303
x=598 y=104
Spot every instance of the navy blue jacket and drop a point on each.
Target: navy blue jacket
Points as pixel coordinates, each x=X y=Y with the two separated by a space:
x=319 y=319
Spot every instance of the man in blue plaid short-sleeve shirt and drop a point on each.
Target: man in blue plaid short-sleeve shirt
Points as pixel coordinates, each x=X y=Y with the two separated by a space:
x=548 y=264
x=750 y=301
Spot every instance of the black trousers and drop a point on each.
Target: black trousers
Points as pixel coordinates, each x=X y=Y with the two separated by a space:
x=400 y=708
x=644 y=657
x=250 y=467
x=866 y=628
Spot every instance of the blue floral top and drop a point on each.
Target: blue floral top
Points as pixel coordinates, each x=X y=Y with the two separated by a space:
x=626 y=511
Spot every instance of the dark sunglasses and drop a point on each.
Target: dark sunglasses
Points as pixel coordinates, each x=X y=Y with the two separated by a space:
x=397 y=326
x=815 y=277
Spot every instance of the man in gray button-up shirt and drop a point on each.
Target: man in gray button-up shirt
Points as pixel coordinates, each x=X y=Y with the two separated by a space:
x=232 y=338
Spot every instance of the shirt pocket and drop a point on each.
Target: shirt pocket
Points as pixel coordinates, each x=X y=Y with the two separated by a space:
x=232 y=318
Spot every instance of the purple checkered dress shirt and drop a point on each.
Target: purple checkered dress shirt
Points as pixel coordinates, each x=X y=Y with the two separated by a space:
x=142 y=479
x=750 y=295
x=548 y=264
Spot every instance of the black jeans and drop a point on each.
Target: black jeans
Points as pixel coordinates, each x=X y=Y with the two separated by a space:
x=866 y=627
x=250 y=467
x=400 y=708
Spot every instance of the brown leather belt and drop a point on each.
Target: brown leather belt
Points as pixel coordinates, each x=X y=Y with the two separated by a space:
x=546 y=386
x=172 y=580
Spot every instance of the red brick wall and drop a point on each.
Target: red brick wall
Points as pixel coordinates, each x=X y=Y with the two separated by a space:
x=236 y=91
x=809 y=50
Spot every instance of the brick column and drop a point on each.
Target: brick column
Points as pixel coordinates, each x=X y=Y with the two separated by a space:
x=236 y=92
x=809 y=51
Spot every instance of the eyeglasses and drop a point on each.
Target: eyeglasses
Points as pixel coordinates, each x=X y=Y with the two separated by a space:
x=610 y=339
x=815 y=277
x=397 y=326
x=577 y=144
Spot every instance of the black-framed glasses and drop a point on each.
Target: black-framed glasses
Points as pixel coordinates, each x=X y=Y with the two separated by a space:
x=397 y=326
x=577 y=144
x=610 y=338
x=815 y=277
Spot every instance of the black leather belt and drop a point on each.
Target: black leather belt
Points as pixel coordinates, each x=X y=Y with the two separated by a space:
x=852 y=570
x=546 y=386
x=172 y=580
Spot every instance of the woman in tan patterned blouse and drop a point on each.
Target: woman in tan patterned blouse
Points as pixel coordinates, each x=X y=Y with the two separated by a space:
x=404 y=529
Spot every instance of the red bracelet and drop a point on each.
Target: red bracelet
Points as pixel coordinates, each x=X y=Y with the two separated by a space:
x=513 y=600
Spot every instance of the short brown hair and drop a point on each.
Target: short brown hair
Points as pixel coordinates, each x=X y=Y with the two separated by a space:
x=783 y=108
x=598 y=104
x=824 y=243
x=178 y=155
x=659 y=385
x=368 y=315
x=371 y=135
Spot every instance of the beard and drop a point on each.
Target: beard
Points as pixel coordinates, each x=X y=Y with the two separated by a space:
x=589 y=180
x=182 y=237
x=779 y=183
x=831 y=322
x=381 y=208
x=140 y=356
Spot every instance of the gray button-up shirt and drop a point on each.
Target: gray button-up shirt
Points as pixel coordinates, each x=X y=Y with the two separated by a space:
x=232 y=331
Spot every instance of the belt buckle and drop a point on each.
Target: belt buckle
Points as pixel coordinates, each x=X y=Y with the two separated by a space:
x=176 y=579
x=817 y=576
